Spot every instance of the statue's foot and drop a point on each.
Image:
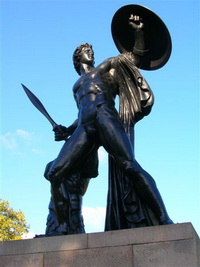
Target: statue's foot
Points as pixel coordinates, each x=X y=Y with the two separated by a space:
x=164 y=221
x=48 y=235
x=77 y=225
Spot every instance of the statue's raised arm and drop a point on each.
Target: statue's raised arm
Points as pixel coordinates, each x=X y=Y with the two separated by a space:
x=139 y=50
x=139 y=30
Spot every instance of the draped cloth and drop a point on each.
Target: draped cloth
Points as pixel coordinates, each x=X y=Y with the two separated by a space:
x=124 y=208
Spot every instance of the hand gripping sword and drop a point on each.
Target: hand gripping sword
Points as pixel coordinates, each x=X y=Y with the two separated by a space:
x=58 y=195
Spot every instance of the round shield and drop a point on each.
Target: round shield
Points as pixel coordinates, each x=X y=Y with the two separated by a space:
x=157 y=37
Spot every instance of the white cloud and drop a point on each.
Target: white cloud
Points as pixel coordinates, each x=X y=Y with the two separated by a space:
x=25 y=135
x=94 y=219
x=16 y=142
x=9 y=141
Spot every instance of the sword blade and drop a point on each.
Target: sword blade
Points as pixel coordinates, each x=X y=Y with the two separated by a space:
x=36 y=102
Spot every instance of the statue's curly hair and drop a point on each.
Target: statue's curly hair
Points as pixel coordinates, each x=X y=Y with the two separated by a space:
x=76 y=56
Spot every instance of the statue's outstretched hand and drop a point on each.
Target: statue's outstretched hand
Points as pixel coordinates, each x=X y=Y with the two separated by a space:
x=61 y=133
x=135 y=21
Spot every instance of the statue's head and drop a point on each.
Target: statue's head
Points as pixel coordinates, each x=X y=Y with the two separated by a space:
x=77 y=55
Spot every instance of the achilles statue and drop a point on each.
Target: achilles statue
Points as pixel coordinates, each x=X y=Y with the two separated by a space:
x=133 y=198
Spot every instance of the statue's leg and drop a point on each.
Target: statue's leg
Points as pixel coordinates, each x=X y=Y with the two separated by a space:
x=117 y=143
x=72 y=154
x=76 y=217
x=77 y=187
x=67 y=196
x=52 y=225
x=73 y=223
x=148 y=191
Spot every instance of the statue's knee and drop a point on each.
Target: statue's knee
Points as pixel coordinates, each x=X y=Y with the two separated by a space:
x=47 y=169
x=52 y=174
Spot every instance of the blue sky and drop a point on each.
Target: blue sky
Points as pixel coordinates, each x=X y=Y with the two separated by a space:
x=38 y=39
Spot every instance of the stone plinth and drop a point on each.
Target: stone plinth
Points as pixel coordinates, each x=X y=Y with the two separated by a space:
x=169 y=245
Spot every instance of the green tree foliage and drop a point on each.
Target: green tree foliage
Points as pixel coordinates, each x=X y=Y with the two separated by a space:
x=12 y=223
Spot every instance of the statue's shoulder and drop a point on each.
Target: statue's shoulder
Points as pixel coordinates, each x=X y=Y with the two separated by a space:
x=128 y=55
x=126 y=58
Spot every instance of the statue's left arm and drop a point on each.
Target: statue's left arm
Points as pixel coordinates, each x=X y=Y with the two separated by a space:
x=136 y=97
x=139 y=45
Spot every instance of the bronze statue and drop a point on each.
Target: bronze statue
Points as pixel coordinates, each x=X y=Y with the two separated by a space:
x=133 y=198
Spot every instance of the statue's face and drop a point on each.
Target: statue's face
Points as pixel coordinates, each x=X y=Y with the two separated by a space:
x=87 y=56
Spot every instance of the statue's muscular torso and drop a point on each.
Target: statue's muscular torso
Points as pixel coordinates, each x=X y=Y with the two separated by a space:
x=94 y=88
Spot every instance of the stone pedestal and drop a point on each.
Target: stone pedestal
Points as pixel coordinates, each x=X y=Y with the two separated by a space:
x=169 y=245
